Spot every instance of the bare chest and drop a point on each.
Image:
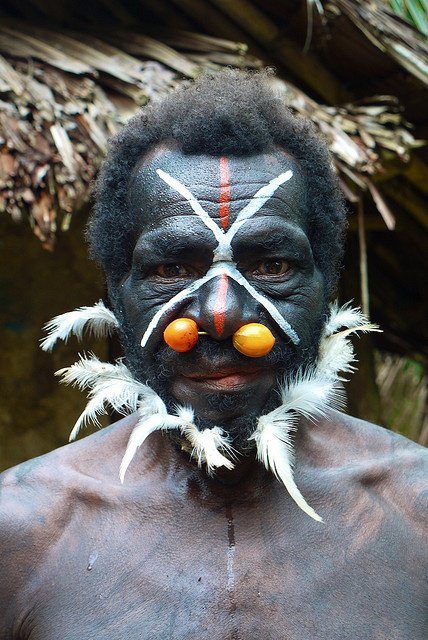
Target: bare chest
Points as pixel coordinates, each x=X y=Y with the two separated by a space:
x=227 y=576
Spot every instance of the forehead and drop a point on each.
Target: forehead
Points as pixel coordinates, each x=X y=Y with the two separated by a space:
x=219 y=184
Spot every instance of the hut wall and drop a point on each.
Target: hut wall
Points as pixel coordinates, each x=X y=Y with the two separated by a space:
x=37 y=413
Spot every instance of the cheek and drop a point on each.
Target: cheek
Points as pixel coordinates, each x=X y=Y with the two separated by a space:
x=139 y=302
x=135 y=309
x=305 y=310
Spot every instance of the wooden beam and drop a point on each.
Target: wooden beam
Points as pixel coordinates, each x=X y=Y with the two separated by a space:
x=166 y=14
x=265 y=32
x=210 y=19
x=241 y=21
x=402 y=193
x=416 y=172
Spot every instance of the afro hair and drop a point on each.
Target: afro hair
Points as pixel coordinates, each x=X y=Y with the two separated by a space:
x=229 y=112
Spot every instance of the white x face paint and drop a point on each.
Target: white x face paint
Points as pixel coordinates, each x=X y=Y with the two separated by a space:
x=223 y=261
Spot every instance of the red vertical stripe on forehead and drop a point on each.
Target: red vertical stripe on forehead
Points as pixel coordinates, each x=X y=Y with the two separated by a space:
x=224 y=192
x=220 y=304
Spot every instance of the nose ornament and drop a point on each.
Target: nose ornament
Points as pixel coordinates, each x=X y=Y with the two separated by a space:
x=181 y=334
x=253 y=340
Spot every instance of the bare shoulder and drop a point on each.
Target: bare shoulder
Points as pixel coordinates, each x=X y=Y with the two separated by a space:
x=49 y=481
x=406 y=460
x=37 y=498
x=378 y=460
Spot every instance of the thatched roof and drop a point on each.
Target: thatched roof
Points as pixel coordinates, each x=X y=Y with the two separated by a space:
x=69 y=80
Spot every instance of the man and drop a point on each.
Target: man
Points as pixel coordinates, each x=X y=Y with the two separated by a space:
x=218 y=208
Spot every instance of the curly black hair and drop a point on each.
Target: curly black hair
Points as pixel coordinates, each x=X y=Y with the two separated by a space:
x=228 y=112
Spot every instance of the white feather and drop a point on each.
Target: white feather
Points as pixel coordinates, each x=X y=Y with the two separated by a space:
x=275 y=451
x=145 y=427
x=311 y=393
x=94 y=408
x=111 y=384
x=346 y=316
x=89 y=371
x=122 y=396
x=336 y=354
x=100 y=320
x=206 y=445
x=150 y=404
x=185 y=413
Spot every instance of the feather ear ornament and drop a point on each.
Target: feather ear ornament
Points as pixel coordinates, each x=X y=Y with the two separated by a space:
x=100 y=320
x=309 y=394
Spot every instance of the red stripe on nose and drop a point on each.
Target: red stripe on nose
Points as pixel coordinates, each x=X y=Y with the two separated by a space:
x=220 y=304
x=224 y=192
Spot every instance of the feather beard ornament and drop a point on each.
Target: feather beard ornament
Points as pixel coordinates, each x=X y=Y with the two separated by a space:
x=310 y=394
x=113 y=385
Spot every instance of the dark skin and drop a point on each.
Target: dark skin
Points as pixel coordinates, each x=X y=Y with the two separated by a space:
x=174 y=248
x=173 y=553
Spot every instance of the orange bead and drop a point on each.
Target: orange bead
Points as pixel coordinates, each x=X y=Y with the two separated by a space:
x=181 y=334
x=253 y=340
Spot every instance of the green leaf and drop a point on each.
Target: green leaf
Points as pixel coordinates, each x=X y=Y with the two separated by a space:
x=397 y=6
x=417 y=15
x=414 y=11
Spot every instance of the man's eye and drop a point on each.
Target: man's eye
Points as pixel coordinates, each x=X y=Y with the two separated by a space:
x=271 y=268
x=174 y=271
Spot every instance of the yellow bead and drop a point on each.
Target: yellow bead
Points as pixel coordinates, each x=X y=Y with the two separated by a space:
x=253 y=340
x=181 y=334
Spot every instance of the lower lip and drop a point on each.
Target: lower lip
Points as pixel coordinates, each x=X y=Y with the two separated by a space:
x=228 y=382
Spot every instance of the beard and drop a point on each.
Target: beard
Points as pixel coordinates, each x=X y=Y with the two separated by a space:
x=240 y=414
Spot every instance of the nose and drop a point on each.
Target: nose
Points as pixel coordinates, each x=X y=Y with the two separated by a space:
x=221 y=307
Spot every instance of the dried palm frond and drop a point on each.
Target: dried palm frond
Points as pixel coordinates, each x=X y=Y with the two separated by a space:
x=55 y=121
x=403 y=387
x=358 y=134
x=396 y=37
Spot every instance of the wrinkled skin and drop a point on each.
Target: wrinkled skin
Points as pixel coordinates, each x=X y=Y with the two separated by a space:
x=173 y=553
x=173 y=239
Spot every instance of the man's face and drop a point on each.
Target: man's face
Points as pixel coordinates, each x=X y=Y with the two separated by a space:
x=176 y=248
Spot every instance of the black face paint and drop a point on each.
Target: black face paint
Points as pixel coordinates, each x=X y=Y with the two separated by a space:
x=174 y=248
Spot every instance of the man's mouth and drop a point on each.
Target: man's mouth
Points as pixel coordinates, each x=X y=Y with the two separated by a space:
x=220 y=391
x=224 y=380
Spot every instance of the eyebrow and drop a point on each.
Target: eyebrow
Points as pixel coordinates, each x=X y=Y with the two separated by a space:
x=277 y=240
x=157 y=245
x=271 y=243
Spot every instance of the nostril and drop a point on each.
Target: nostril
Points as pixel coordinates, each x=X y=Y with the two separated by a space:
x=221 y=307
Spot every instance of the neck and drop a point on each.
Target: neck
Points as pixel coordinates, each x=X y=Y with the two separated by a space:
x=247 y=483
